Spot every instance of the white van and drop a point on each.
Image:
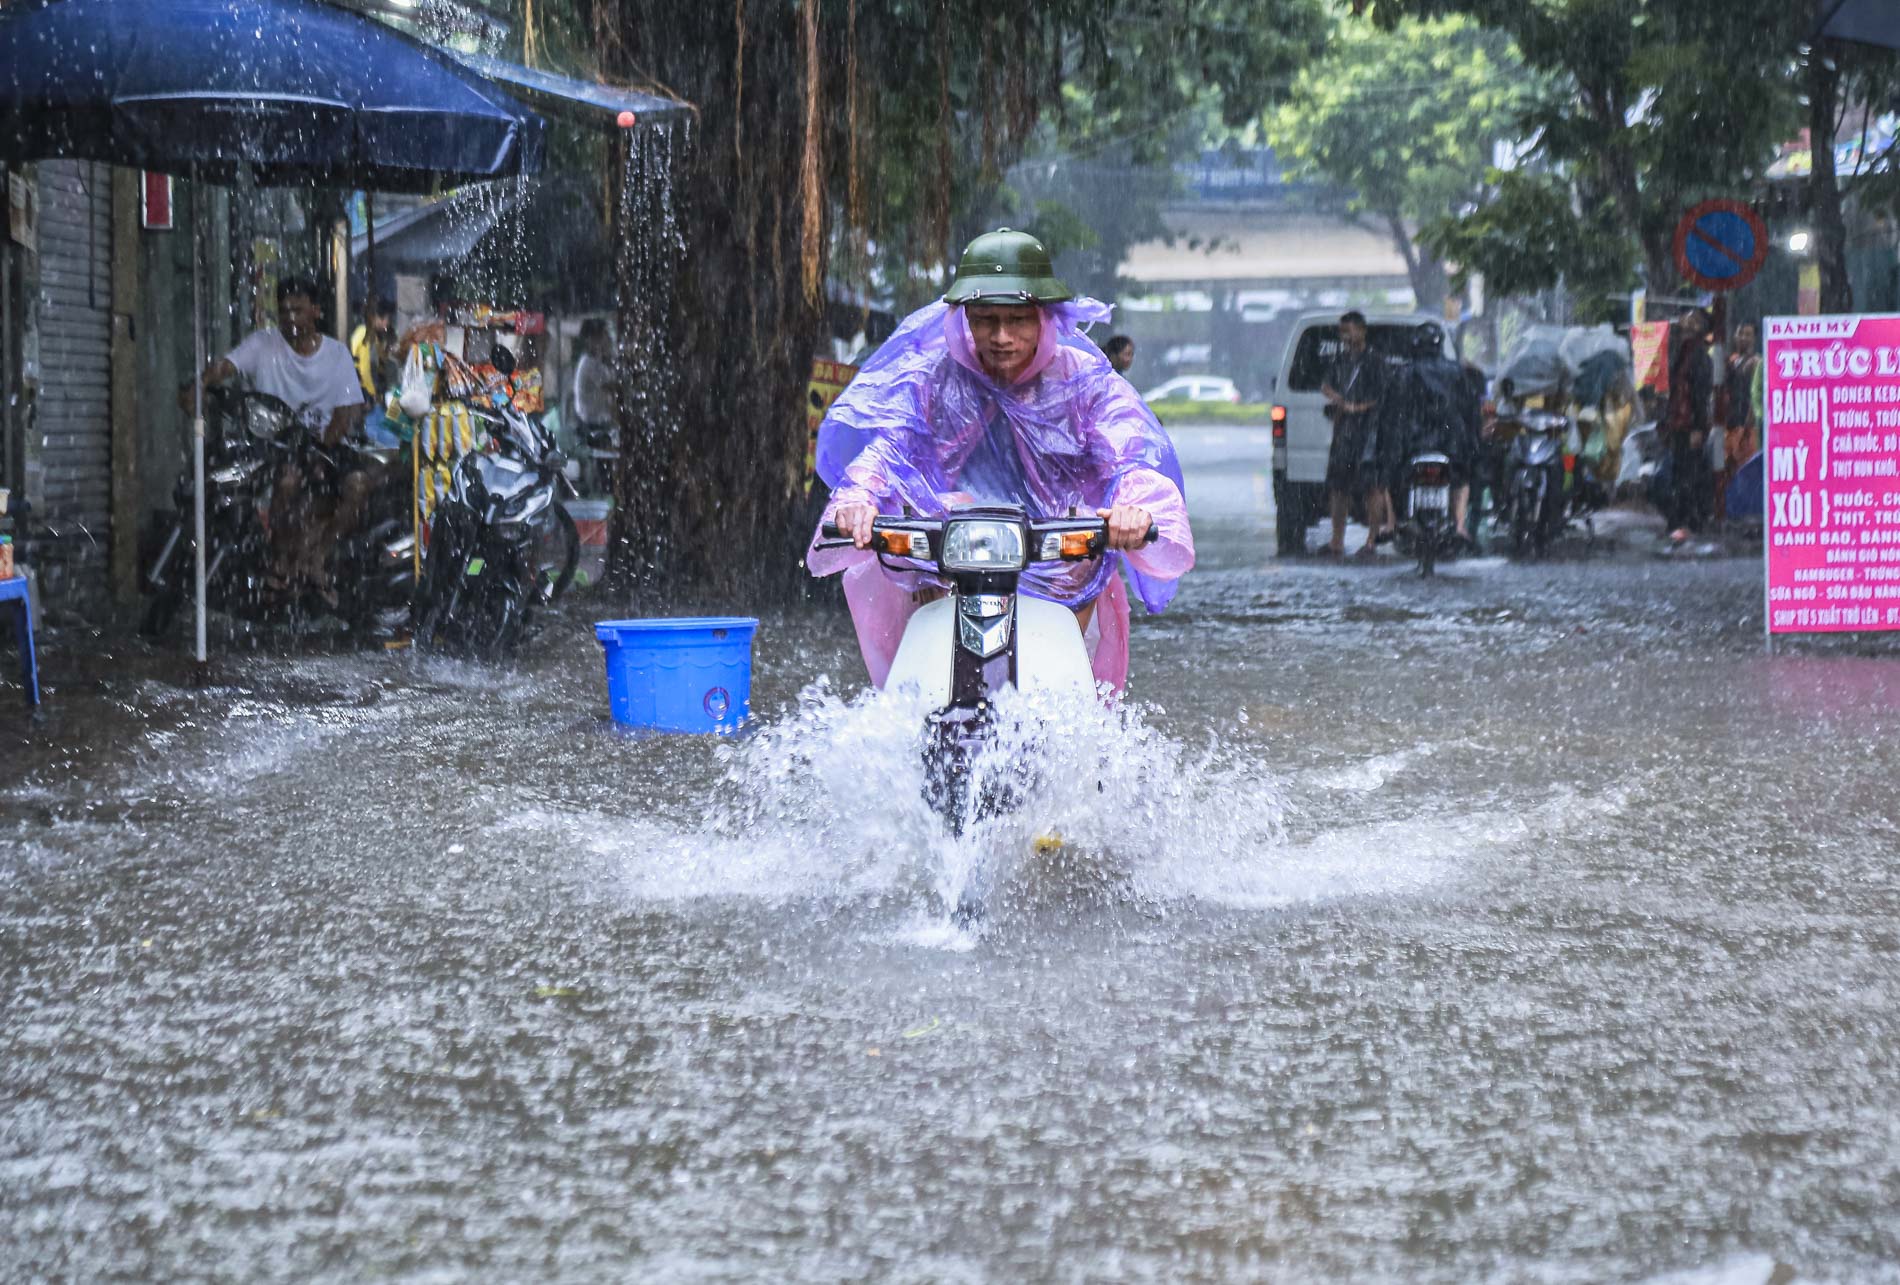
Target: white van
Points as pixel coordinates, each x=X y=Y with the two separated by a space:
x=1302 y=435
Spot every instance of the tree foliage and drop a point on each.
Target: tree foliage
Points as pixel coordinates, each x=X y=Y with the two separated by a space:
x=1660 y=103
x=864 y=140
x=1165 y=82
x=1137 y=85
x=1406 y=118
x=1528 y=231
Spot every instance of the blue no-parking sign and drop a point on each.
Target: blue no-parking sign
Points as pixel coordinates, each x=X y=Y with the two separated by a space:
x=1720 y=245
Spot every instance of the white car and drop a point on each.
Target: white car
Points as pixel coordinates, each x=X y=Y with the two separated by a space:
x=1194 y=388
x=1302 y=435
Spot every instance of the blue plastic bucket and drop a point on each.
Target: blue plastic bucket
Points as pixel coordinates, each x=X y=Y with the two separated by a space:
x=692 y=675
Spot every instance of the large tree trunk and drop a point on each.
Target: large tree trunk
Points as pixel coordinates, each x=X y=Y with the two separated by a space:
x=718 y=318
x=1824 y=189
x=1430 y=281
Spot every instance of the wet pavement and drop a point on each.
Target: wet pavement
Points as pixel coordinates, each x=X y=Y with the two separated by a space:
x=1525 y=924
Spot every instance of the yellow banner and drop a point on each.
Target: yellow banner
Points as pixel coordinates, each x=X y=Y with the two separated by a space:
x=828 y=379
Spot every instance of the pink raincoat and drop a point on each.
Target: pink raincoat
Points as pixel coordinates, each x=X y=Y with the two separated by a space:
x=923 y=425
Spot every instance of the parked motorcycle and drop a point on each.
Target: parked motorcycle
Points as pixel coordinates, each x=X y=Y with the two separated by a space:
x=1548 y=487
x=963 y=649
x=1428 y=509
x=1535 y=503
x=501 y=547
x=250 y=438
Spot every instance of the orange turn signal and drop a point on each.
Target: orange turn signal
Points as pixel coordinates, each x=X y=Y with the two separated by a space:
x=1075 y=544
x=896 y=543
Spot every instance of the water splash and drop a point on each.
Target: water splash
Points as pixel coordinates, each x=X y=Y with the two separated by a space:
x=1367 y=775
x=827 y=804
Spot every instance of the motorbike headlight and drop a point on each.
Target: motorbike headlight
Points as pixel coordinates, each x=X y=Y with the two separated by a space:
x=528 y=505
x=265 y=420
x=982 y=544
x=503 y=478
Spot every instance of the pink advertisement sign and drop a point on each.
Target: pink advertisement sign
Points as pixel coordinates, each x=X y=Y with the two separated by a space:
x=1831 y=398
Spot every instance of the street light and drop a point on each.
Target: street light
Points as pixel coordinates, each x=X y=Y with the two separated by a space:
x=1798 y=242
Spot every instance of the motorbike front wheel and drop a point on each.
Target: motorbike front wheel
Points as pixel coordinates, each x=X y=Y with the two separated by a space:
x=436 y=597
x=161 y=613
x=1555 y=515
x=494 y=624
x=1427 y=542
x=166 y=584
x=1523 y=522
x=557 y=553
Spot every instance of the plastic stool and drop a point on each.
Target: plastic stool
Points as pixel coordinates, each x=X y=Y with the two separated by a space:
x=19 y=610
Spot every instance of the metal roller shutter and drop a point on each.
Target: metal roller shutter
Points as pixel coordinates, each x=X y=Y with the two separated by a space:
x=75 y=420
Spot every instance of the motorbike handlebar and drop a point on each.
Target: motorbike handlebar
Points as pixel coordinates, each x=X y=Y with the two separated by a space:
x=832 y=531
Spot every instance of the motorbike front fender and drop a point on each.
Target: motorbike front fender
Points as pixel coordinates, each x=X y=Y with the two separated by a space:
x=925 y=655
x=1049 y=652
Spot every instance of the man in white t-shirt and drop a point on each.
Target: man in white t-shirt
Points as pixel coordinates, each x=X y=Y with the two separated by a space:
x=595 y=417
x=313 y=375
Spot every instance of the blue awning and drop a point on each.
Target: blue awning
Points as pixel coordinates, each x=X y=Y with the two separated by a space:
x=582 y=101
x=1867 y=22
x=288 y=91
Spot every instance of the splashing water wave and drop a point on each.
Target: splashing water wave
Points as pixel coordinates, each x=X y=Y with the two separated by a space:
x=827 y=804
x=1100 y=797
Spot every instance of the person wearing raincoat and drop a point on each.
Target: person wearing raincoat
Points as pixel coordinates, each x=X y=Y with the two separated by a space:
x=994 y=395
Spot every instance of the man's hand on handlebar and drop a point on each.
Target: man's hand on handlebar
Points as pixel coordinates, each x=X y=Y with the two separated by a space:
x=1127 y=526
x=219 y=372
x=342 y=422
x=854 y=522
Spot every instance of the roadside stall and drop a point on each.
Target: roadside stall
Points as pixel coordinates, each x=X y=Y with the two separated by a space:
x=447 y=364
x=224 y=94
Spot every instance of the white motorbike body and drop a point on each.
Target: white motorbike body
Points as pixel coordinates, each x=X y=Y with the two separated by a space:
x=1050 y=652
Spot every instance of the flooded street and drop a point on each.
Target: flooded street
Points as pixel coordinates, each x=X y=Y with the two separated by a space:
x=1526 y=924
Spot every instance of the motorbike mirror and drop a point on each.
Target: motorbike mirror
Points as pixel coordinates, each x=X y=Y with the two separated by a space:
x=556 y=458
x=502 y=359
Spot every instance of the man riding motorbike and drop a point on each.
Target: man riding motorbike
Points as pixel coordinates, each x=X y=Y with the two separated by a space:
x=1435 y=407
x=992 y=395
x=313 y=375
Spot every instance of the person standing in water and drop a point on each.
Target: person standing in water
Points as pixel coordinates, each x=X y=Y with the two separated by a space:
x=1353 y=387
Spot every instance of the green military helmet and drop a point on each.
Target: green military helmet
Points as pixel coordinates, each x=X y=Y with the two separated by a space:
x=1006 y=267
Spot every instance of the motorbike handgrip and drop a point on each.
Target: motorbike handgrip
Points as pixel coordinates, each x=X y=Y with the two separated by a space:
x=832 y=531
x=1154 y=533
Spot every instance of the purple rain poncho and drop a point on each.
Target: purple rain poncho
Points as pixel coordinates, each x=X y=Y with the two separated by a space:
x=923 y=425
